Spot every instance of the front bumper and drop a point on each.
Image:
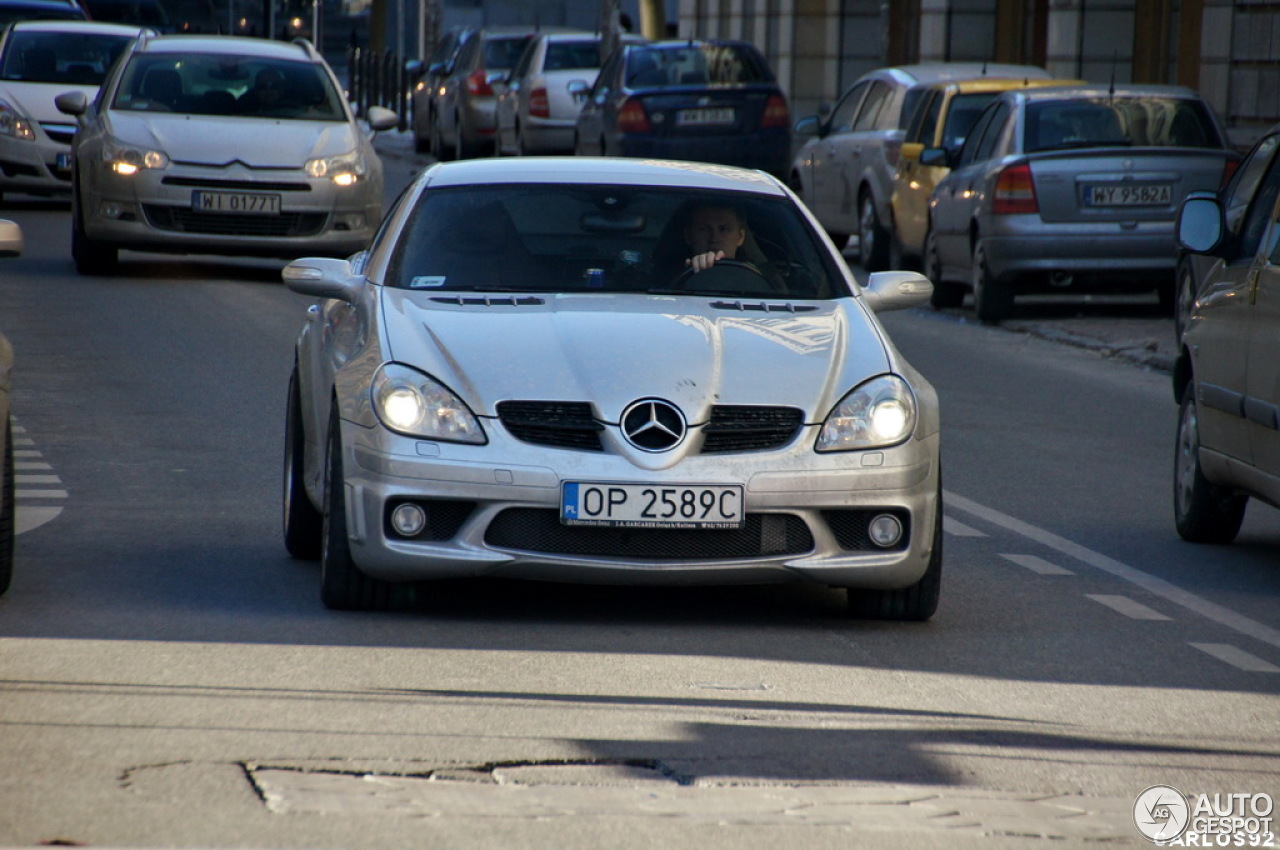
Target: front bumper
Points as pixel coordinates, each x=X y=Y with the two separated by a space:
x=154 y=210
x=494 y=511
x=38 y=167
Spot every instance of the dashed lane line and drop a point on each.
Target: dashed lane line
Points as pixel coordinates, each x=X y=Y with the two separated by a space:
x=1237 y=657
x=1131 y=608
x=1155 y=586
x=1038 y=565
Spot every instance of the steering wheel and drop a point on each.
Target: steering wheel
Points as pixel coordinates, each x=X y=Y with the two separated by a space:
x=725 y=276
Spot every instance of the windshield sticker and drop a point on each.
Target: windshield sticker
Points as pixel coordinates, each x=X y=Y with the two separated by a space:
x=427 y=282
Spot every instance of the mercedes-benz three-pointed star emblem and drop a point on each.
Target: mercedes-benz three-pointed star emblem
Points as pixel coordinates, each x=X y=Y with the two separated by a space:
x=653 y=425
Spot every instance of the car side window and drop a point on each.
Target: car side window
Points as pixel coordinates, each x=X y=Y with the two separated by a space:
x=924 y=123
x=1259 y=214
x=992 y=136
x=842 y=117
x=969 y=153
x=1245 y=181
x=869 y=115
x=526 y=59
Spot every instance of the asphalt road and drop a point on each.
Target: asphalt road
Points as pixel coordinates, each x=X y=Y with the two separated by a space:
x=168 y=676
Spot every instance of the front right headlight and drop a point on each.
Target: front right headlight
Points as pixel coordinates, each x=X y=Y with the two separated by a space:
x=127 y=160
x=415 y=404
x=878 y=413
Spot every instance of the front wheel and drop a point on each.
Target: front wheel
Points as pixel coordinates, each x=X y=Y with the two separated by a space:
x=303 y=524
x=1203 y=513
x=873 y=237
x=947 y=294
x=91 y=258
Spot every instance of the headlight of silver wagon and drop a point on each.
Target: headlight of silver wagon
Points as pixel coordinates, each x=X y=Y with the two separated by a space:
x=409 y=402
x=344 y=170
x=127 y=160
x=879 y=412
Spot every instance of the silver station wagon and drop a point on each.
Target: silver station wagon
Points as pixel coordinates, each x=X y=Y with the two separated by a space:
x=538 y=372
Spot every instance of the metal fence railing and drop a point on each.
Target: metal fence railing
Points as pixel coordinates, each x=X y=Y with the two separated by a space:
x=378 y=78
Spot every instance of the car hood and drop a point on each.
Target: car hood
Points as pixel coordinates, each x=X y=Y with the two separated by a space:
x=221 y=140
x=35 y=100
x=615 y=349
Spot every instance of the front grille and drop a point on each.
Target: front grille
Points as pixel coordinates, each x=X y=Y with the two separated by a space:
x=187 y=220
x=238 y=185
x=444 y=517
x=62 y=137
x=540 y=530
x=750 y=429
x=850 y=528
x=17 y=169
x=563 y=424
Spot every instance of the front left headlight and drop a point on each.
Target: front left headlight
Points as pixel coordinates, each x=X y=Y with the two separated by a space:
x=14 y=124
x=878 y=413
x=345 y=169
x=127 y=160
x=415 y=404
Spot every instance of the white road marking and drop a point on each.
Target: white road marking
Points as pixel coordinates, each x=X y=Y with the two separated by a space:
x=29 y=465
x=33 y=487
x=1237 y=657
x=1130 y=608
x=958 y=529
x=1155 y=586
x=1038 y=565
x=36 y=479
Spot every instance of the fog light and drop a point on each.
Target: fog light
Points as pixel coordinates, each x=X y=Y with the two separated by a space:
x=111 y=209
x=408 y=520
x=885 y=530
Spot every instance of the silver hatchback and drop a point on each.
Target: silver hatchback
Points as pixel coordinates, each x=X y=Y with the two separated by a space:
x=220 y=145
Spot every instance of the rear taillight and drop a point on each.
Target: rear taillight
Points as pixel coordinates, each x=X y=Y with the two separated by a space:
x=1229 y=171
x=478 y=83
x=632 y=118
x=775 y=113
x=1015 y=193
x=539 y=105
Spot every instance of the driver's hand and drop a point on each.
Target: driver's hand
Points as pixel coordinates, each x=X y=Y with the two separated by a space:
x=702 y=262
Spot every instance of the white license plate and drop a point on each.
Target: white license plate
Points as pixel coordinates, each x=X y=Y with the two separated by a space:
x=1149 y=195
x=651 y=505
x=236 y=202
x=696 y=117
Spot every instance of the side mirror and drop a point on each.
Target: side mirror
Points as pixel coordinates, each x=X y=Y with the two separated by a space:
x=887 y=291
x=415 y=68
x=323 y=277
x=935 y=157
x=380 y=118
x=809 y=126
x=437 y=69
x=1201 y=223
x=72 y=103
x=11 y=244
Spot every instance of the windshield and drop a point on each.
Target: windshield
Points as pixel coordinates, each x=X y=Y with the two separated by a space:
x=60 y=57
x=224 y=84
x=552 y=238
x=1137 y=121
x=695 y=64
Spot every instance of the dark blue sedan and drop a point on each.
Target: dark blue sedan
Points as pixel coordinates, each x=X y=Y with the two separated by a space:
x=706 y=101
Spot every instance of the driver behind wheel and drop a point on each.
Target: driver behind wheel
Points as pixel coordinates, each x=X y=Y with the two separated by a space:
x=713 y=233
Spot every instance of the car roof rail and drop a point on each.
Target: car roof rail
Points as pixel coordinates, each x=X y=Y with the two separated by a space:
x=308 y=47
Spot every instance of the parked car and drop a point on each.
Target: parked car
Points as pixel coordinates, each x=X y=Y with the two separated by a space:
x=945 y=114
x=38 y=61
x=522 y=379
x=536 y=111
x=221 y=145
x=426 y=89
x=1227 y=376
x=463 y=117
x=844 y=170
x=10 y=246
x=706 y=101
x=40 y=10
x=1070 y=189
x=1193 y=268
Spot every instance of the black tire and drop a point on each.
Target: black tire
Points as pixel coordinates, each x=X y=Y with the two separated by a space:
x=1184 y=298
x=917 y=602
x=91 y=258
x=343 y=586
x=1202 y=512
x=7 y=512
x=461 y=150
x=992 y=298
x=303 y=523
x=947 y=294
x=873 y=237
x=438 y=147
x=421 y=144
